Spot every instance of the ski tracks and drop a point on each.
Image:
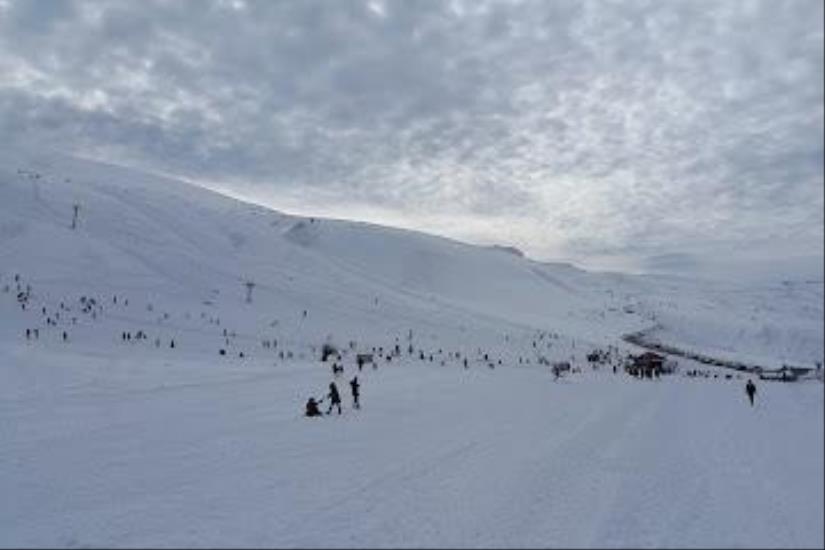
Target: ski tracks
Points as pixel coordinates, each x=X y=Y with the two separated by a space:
x=578 y=484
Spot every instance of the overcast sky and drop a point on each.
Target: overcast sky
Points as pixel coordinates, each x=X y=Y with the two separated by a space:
x=661 y=135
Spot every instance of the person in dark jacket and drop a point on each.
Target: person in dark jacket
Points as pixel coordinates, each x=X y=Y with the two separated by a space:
x=355 y=386
x=750 y=389
x=334 y=398
x=312 y=407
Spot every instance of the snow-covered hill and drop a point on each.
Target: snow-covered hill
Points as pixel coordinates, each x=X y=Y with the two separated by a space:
x=170 y=238
x=465 y=440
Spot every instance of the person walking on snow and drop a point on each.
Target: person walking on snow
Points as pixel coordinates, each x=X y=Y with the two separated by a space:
x=334 y=398
x=355 y=386
x=750 y=389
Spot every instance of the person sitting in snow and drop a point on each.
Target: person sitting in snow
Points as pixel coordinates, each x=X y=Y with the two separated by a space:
x=312 y=407
x=334 y=398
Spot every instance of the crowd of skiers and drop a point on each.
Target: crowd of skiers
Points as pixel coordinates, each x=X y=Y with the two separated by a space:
x=66 y=314
x=23 y=295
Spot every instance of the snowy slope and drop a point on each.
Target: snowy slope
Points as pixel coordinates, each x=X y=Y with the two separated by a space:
x=107 y=442
x=167 y=237
x=161 y=234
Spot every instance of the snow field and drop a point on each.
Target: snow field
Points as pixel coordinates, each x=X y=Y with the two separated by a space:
x=112 y=443
x=134 y=452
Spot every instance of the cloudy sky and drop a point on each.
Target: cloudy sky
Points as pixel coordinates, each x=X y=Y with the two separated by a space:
x=661 y=135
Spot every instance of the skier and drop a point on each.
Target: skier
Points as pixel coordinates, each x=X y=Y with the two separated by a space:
x=750 y=389
x=355 y=386
x=334 y=398
x=312 y=407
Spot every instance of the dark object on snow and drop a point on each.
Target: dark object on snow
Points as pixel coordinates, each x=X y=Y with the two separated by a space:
x=334 y=398
x=750 y=389
x=786 y=374
x=363 y=358
x=648 y=362
x=559 y=368
x=355 y=386
x=312 y=408
x=326 y=350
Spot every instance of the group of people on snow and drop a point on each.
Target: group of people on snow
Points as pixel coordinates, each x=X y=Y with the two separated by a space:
x=334 y=399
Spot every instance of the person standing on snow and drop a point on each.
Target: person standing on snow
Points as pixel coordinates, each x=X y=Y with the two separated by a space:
x=334 y=398
x=355 y=386
x=750 y=389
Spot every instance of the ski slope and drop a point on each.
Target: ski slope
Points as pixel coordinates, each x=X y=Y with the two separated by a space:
x=107 y=442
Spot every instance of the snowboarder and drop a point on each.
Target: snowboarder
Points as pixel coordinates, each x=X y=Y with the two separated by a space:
x=750 y=389
x=334 y=398
x=312 y=407
x=355 y=386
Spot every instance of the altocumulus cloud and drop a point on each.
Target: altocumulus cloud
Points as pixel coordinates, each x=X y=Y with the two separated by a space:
x=651 y=135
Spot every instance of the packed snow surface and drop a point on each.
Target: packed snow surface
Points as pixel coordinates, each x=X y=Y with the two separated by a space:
x=113 y=441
